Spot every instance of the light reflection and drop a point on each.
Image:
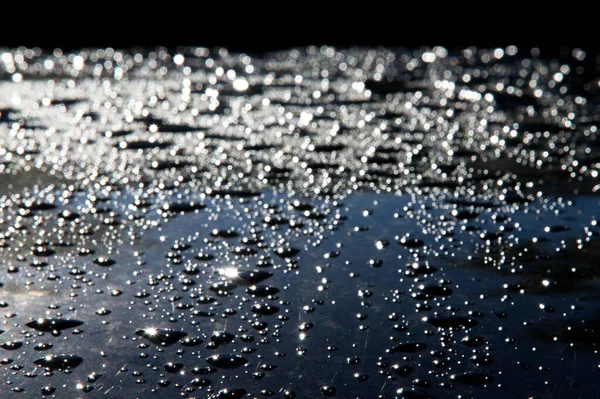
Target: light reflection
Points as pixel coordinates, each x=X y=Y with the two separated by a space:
x=229 y=272
x=151 y=331
x=240 y=84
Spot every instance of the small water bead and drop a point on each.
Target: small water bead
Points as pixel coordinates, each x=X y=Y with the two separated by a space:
x=473 y=341
x=264 y=309
x=161 y=336
x=222 y=337
x=410 y=242
x=47 y=390
x=103 y=312
x=181 y=207
x=173 y=367
x=83 y=251
x=353 y=360
x=328 y=390
x=226 y=361
x=93 y=377
x=251 y=277
x=262 y=290
x=233 y=393
x=85 y=388
x=436 y=290
x=104 y=261
x=59 y=362
x=11 y=345
x=201 y=382
x=42 y=251
x=407 y=347
x=402 y=370
x=452 y=321
x=163 y=383
x=284 y=252
x=42 y=346
x=53 y=324
x=258 y=375
x=203 y=370
x=224 y=233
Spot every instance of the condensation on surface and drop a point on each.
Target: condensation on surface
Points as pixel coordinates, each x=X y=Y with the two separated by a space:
x=309 y=223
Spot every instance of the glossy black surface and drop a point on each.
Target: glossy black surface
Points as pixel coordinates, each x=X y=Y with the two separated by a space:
x=308 y=223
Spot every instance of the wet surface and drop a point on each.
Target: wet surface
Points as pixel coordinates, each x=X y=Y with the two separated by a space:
x=310 y=223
